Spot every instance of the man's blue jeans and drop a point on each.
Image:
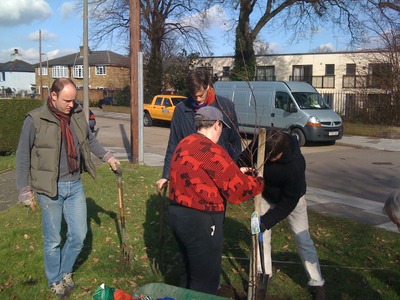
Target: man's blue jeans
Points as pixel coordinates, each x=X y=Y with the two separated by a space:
x=70 y=203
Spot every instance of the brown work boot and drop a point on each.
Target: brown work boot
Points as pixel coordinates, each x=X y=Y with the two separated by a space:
x=262 y=286
x=317 y=292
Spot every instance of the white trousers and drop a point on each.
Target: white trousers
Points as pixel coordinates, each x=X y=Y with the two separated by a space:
x=298 y=221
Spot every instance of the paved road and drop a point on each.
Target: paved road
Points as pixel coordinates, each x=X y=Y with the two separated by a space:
x=115 y=136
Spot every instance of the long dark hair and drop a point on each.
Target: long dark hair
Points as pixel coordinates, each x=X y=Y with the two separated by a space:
x=276 y=141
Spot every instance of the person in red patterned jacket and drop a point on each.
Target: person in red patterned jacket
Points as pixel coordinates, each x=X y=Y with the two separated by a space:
x=202 y=177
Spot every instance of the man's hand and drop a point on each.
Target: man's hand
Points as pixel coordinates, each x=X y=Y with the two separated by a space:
x=27 y=198
x=110 y=158
x=161 y=183
x=113 y=163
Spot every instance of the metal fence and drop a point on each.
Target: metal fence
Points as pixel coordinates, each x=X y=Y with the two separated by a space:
x=365 y=107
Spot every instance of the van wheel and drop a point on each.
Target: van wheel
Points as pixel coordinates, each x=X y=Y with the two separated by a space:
x=299 y=135
x=147 y=120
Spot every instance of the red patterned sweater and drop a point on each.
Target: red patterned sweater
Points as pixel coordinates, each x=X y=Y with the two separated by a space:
x=203 y=175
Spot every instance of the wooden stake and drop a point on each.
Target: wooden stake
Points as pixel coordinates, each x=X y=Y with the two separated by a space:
x=252 y=290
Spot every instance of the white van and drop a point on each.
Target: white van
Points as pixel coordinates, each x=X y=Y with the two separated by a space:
x=294 y=106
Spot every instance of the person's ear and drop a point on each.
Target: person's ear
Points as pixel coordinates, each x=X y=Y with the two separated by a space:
x=53 y=96
x=215 y=126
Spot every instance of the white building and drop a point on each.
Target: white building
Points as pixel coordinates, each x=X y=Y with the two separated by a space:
x=17 y=75
x=339 y=76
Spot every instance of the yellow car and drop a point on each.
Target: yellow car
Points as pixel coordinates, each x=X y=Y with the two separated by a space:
x=161 y=108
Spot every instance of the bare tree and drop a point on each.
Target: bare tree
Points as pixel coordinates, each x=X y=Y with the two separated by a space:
x=380 y=93
x=296 y=16
x=163 y=23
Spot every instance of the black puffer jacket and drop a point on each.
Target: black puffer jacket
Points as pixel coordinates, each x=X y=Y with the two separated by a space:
x=182 y=125
x=284 y=179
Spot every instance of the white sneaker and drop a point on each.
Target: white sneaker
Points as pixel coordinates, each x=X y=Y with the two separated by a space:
x=68 y=282
x=58 y=289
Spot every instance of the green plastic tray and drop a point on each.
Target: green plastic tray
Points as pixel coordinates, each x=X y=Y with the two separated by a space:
x=162 y=290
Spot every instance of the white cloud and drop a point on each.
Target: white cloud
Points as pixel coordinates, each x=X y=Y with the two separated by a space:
x=327 y=47
x=23 y=12
x=216 y=16
x=46 y=35
x=213 y=17
x=31 y=55
x=67 y=9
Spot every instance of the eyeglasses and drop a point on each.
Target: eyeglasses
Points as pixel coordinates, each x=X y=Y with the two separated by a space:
x=202 y=96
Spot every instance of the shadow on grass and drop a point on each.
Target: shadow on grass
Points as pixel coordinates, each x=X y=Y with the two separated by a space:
x=340 y=282
x=93 y=211
x=165 y=258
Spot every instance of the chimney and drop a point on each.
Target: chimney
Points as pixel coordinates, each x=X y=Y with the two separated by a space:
x=81 y=51
x=15 y=55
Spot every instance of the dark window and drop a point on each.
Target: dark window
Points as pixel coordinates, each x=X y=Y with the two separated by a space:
x=330 y=69
x=282 y=101
x=167 y=102
x=158 y=101
x=303 y=73
x=265 y=73
x=379 y=75
x=350 y=69
x=226 y=71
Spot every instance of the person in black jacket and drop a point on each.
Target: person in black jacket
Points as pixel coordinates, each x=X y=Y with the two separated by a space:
x=283 y=198
x=392 y=207
x=182 y=123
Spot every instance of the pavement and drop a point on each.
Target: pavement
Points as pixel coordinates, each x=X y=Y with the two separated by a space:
x=319 y=200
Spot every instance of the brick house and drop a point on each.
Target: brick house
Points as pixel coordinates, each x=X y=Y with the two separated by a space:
x=108 y=71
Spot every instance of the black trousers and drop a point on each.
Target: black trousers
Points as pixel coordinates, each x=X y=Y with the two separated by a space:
x=199 y=236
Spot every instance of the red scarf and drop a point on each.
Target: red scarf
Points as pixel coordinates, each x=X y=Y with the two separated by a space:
x=66 y=134
x=210 y=98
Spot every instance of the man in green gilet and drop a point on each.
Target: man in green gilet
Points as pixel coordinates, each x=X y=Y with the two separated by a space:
x=54 y=147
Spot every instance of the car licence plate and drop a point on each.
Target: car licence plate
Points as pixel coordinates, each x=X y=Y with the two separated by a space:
x=333 y=133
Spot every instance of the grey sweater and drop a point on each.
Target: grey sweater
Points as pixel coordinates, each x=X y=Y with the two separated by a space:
x=24 y=154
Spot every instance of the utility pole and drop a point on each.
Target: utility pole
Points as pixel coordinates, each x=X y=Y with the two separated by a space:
x=134 y=23
x=40 y=65
x=85 y=61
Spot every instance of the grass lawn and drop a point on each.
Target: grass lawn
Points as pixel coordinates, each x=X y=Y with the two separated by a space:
x=357 y=261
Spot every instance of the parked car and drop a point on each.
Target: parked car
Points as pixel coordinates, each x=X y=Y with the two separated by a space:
x=106 y=101
x=92 y=120
x=161 y=108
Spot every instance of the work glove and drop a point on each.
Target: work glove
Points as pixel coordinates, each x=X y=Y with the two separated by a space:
x=110 y=158
x=27 y=198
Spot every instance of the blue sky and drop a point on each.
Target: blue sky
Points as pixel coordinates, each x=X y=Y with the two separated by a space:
x=62 y=31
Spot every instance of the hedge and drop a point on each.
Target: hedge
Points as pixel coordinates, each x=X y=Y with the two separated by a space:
x=12 y=115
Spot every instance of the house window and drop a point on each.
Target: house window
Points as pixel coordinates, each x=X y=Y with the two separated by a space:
x=100 y=70
x=60 y=71
x=350 y=69
x=226 y=71
x=302 y=73
x=2 y=76
x=44 y=71
x=78 y=71
x=329 y=69
x=379 y=75
x=265 y=73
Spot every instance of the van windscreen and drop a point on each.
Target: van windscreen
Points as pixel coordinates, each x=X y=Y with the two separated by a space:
x=310 y=100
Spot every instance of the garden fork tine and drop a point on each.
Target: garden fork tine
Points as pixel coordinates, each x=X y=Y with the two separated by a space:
x=124 y=247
